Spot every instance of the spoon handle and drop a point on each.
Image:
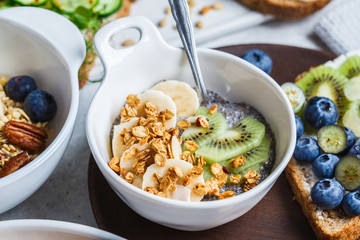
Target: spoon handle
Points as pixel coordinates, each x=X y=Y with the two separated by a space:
x=180 y=11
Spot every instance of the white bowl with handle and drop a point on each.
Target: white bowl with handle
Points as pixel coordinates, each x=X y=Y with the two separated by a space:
x=48 y=47
x=136 y=69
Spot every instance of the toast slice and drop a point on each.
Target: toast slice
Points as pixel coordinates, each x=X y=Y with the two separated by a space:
x=326 y=224
x=286 y=9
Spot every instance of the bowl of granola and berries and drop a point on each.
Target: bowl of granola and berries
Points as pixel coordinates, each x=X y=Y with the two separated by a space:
x=173 y=159
x=38 y=97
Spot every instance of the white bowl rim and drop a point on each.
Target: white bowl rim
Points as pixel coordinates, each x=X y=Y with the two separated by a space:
x=207 y=204
x=70 y=119
x=43 y=224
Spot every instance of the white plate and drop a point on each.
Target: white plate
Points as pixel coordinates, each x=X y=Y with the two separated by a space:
x=232 y=17
x=51 y=230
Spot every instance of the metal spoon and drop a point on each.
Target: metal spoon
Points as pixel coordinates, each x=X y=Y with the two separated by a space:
x=181 y=14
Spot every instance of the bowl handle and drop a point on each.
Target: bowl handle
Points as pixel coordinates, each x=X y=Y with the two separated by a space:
x=150 y=39
x=54 y=28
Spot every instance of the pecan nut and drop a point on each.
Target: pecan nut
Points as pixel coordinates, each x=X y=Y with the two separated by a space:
x=25 y=136
x=15 y=163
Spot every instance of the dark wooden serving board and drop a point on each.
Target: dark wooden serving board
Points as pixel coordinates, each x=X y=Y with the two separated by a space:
x=277 y=216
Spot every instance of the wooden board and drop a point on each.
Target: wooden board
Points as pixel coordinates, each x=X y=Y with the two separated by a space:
x=276 y=216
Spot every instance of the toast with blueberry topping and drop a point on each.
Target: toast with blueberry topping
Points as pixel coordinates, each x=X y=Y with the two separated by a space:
x=326 y=224
x=324 y=172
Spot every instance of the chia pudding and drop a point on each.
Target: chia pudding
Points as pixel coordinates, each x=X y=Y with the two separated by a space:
x=161 y=140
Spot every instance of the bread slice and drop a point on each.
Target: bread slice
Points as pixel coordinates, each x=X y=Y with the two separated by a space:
x=326 y=224
x=89 y=61
x=286 y=9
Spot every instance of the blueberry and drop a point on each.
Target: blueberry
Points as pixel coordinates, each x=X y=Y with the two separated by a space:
x=17 y=88
x=40 y=106
x=299 y=126
x=351 y=204
x=306 y=149
x=324 y=165
x=355 y=149
x=320 y=111
x=327 y=193
x=258 y=58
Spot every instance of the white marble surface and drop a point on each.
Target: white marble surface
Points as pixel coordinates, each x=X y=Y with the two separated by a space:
x=65 y=196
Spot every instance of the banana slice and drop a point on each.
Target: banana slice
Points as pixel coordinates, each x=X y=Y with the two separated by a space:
x=117 y=147
x=175 y=147
x=128 y=164
x=185 y=98
x=148 y=180
x=161 y=101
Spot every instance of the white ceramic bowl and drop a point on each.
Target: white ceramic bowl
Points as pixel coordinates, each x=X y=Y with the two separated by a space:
x=33 y=229
x=48 y=47
x=135 y=69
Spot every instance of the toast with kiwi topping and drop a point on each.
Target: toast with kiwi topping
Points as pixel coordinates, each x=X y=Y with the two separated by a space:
x=286 y=9
x=336 y=80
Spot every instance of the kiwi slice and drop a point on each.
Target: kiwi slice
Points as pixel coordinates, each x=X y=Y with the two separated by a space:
x=207 y=172
x=332 y=138
x=351 y=117
x=347 y=172
x=254 y=160
x=324 y=82
x=295 y=95
x=351 y=69
x=245 y=136
x=200 y=135
x=352 y=89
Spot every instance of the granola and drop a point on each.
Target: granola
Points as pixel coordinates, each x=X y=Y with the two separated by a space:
x=155 y=157
x=18 y=133
x=191 y=145
x=237 y=161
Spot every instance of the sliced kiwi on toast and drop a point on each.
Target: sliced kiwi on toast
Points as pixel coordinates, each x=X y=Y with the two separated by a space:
x=352 y=89
x=351 y=117
x=332 y=138
x=245 y=136
x=351 y=69
x=347 y=172
x=295 y=95
x=324 y=82
x=200 y=135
